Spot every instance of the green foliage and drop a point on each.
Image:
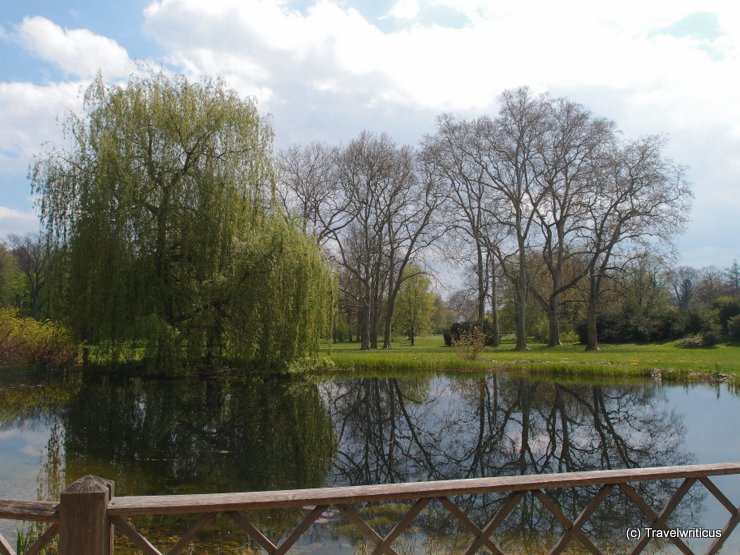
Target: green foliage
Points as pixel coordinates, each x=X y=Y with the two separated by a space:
x=470 y=344
x=443 y=317
x=163 y=210
x=28 y=341
x=733 y=328
x=26 y=537
x=569 y=337
x=11 y=279
x=23 y=540
x=342 y=329
x=726 y=308
x=415 y=304
x=640 y=326
x=537 y=326
x=282 y=299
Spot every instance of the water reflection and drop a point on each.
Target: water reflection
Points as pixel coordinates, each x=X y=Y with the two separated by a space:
x=400 y=431
x=393 y=431
x=276 y=432
x=200 y=436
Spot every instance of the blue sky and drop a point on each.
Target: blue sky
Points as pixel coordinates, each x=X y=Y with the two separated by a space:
x=325 y=70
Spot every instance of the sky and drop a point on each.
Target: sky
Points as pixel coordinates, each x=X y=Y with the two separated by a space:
x=326 y=70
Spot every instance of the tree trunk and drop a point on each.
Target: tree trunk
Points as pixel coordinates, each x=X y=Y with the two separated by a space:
x=521 y=301
x=374 y=336
x=553 y=309
x=494 y=308
x=366 y=317
x=374 y=311
x=387 y=332
x=390 y=303
x=553 y=333
x=480 y=270
x=592 y=343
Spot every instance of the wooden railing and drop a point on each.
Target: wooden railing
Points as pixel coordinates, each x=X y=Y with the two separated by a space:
x=88 y=513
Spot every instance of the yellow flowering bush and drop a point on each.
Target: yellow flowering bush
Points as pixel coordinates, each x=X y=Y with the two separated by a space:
x=28 y=341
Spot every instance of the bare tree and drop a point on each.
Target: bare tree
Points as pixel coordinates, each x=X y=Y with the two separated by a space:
x=309 y=189
x=573 y=140
x=32 y=257
x=642 y=198
x=709 y=286
x=465 y=202
x=491 y=167
x=504 y=153
x=391 y=198
x=683 y=284
x=461 y=303
x=733 y=278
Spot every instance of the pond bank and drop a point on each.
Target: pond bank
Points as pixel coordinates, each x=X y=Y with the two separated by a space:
x=664 y=361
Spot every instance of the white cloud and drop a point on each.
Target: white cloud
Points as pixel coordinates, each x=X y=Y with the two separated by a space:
x=30 y=116
x=508 y=43
x=17 y=221
x=78 y=52
x=404 y=9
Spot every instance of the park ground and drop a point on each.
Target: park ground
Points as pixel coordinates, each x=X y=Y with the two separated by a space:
x=665 y=359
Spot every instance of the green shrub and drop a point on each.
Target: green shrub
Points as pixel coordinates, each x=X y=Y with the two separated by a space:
x=726 y=308
x=733 y=328
x=569 y=337
x=28 y=341
x=634 y=326
x=539 y=330
x=456 y=330
x=470 y=344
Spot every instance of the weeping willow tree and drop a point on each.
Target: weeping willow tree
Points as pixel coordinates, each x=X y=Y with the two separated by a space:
x=163 y=208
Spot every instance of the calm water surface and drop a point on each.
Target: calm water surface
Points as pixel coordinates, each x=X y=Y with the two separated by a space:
x=276 y=432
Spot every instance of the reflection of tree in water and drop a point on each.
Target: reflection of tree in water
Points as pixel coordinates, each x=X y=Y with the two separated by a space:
x=400 y=431
x=199 y=435
x=51 y=481
x=32 y=399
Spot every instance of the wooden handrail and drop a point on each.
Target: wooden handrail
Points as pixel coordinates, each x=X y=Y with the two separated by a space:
x=40 y=511
x=85 y=518
x=222 y=502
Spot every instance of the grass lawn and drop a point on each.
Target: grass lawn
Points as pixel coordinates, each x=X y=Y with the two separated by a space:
x=665 y=359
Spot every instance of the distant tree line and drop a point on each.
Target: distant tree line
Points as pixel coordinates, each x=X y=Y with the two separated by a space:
x=646 y=300
x=547 y=204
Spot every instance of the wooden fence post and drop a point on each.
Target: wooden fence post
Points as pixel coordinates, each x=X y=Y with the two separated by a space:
x=84 y=527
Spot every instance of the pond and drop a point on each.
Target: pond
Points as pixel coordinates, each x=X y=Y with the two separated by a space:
x=268 y=432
